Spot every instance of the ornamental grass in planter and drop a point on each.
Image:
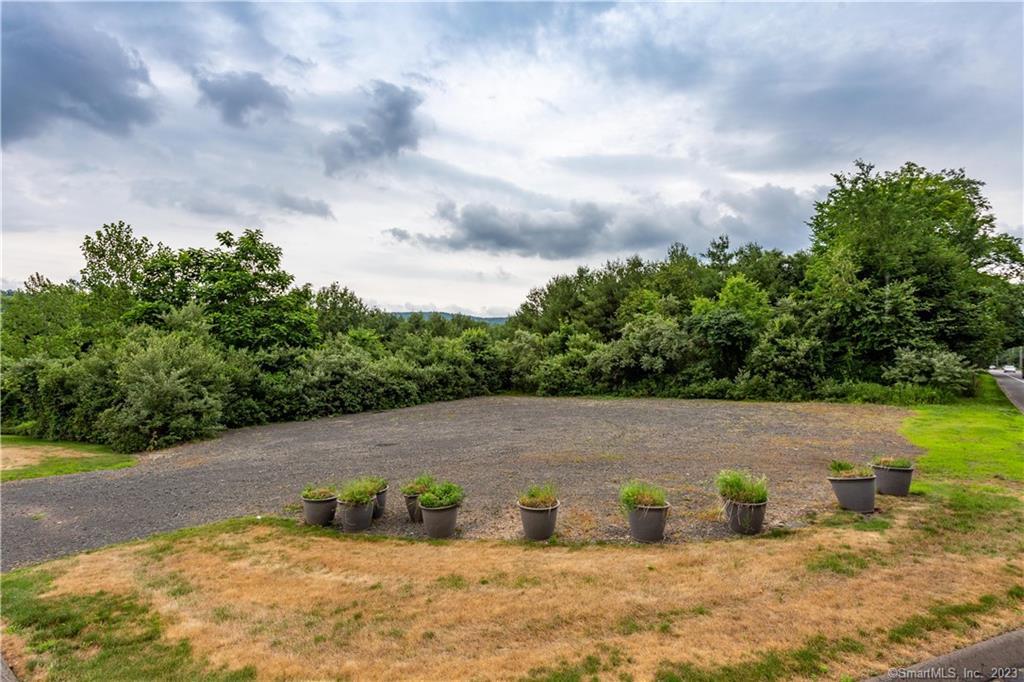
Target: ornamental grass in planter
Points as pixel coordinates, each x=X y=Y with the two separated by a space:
x=647 y=508
x=318 y=505
x=746 y=499
x=854 y=486
x=538 y=510
x=380 y=499
x=412 y=491
x=893 y=475
x=356 y=499
x=440 y=506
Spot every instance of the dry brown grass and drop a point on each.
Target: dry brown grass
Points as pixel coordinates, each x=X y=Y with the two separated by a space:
x=312 y=607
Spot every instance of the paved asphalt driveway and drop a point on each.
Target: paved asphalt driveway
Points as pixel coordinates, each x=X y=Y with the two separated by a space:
x=493 y=446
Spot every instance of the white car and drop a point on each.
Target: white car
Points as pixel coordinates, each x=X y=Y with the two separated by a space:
x=1009 y=369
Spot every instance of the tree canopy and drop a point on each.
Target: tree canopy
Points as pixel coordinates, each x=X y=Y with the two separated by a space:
x=905 y=286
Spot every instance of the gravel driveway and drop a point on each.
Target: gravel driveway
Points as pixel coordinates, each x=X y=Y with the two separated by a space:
x=493 y=446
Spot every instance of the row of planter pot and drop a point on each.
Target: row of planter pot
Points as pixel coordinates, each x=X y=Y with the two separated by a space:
x=361 y=501
x=745 y=501
x=855 y=485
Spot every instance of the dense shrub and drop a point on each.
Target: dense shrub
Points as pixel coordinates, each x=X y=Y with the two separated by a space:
x=651 y=346
x=785 y=364
x=169 y=387
x=519 y=356
x=867 y=392
x=568 y=373
x=935 y=368
x=339 y=377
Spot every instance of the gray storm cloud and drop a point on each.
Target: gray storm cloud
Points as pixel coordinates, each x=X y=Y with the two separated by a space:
x=241 y=97
x=388 y=127
x=55 y=67
x=586 y=228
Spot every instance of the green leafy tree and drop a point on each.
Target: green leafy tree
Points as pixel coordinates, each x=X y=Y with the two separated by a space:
x=338 y=309
x=115 y=258
x=248 y=297
x=727 y=327
x=931 y=233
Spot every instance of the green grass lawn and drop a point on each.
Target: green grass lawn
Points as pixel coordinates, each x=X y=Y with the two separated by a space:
x=94 y=457
x=975 y=438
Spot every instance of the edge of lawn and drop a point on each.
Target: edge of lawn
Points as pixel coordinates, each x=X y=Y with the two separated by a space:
x=98 y=457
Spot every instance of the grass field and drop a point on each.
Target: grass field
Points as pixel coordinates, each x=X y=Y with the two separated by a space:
x=270 y=599
x=23 y=457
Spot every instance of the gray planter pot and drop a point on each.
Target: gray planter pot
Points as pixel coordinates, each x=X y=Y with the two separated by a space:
x=319 y=512
x=746 y=518
x=890 y=481
x=440 y=522
x=855 y=494
x=379 y=502
x=412 y=504
x=538 y=522
x=647 y=524
x=356 y=517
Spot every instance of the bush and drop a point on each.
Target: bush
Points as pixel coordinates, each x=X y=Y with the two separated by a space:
x=935 y=368
x=568 y=372
x=784 y=365
x=169 y=388
x=720 y=389
x=741 y=486
x=519 y=357
x=339 y=378
x=866 y=392
x=641 y=494
x=651 y=347
x=443 y=494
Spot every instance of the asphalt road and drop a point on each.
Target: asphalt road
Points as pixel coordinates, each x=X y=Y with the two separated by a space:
x=493 y=446
x=1012 y=385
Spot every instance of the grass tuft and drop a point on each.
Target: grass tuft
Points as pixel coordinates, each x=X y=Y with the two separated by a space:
x=742 y=486
x=635 y=494
x=843 y=563
x=539 y=496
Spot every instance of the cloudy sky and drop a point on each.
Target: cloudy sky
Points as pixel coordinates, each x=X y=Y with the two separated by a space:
x=453 y=156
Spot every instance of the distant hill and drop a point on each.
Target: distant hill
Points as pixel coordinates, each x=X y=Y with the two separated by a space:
x=448 y=316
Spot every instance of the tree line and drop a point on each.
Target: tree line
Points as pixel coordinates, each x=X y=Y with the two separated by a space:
x=906 y=287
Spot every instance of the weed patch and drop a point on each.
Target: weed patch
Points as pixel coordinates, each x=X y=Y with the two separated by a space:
x=957 y=617
x=846 y=519
x=845 y=563
x=806 y=662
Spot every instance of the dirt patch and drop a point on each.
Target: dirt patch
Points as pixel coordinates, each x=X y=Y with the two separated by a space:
x=14 y=650
x=310 y=607
x=17 y=456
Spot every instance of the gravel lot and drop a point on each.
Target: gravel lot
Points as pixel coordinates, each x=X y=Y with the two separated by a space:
x=492 y=446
